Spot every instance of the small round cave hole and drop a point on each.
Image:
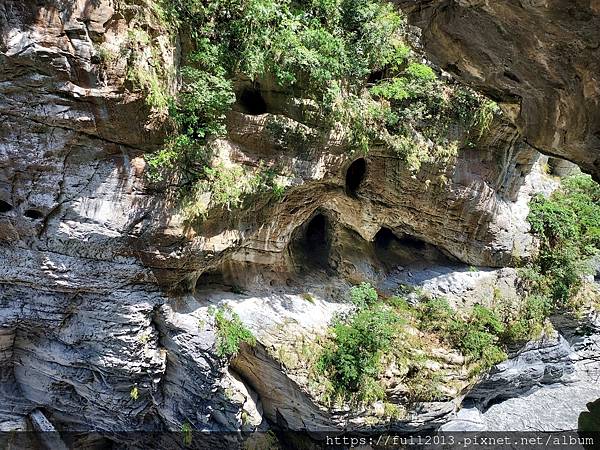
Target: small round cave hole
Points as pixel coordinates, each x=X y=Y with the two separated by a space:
x=33 y=214
x=252 y=101
x=355 y=176
x=311 y=245
x=5 y=206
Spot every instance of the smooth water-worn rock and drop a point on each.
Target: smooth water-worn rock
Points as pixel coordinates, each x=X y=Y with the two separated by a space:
x=543 y=387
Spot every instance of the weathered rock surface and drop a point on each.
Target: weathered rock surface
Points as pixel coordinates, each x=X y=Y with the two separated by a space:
x=543 y=387
x=540 y=59
x=91 y=256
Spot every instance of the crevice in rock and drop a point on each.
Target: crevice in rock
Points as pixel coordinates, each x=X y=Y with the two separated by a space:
x=511 y=76
x=251 y=101
x=157 y=391
x=355 y=175
x=34 y=214
x=285 y=404
x=5 y=207
x=311 y=244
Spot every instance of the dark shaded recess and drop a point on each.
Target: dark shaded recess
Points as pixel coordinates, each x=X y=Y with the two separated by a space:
x=5 y=207
x=211 y=278
x=453 y=68
x=395 y=251
x=311 y=244
x=511 y=76
x=214 y=279
x=355 y=176
x=589 y=421
x=374 y=77
x=34 y=214
x=252 y=102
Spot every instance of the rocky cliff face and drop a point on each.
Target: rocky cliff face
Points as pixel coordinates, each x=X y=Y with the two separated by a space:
x=539 y=58
x=104 y=293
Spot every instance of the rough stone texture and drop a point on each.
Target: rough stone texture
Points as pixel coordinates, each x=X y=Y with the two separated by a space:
x=279 y=323
x=91 y=256
x=543 y=387
x=462 y=286
x=541 y=59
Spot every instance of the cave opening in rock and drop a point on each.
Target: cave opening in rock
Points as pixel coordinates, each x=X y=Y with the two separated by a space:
x=209 y=279
x=406 y=250
x=252 y=101
x=412 y=243
x=375 y=76
x=311 y=245
x=384 y=238
x=355 y=176
x=33 y=214
x=5 y=207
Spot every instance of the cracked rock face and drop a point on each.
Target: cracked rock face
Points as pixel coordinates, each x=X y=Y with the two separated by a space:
x=540 y=59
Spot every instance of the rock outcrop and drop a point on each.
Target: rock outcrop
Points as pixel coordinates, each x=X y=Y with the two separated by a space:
x=559 y=373
x=539 y=59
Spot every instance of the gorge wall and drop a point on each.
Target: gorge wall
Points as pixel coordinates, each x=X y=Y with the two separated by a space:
x=104 y=288
x=538 y=58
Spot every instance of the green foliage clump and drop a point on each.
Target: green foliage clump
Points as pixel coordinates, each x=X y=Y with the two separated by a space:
x=231 y=332
x=313 y=46
x=568 y=227
x=352 y=362
x=186 y=430
x=134 y=393
x=363 y=295
x=528 y=322
x=228 y=188
x=478 y=335
x=327 y=51
x=377 y=333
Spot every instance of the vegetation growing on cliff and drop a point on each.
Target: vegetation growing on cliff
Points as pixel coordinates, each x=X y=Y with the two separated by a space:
x=567 y=225
x=348 y=56
x=231 y=332
x=389 y=333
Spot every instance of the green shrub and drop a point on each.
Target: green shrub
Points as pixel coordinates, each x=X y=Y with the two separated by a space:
x=568 y=226
x=528 y=323
x=477 y=336
x=363 y=295
x=231 y=332
x=321 y=50
x=435 y=314
x=352 y=359
x=134 y=393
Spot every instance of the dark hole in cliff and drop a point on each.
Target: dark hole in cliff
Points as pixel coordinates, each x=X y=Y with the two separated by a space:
x=5 y=207
x=406 y=250
x=252 y=102
x=453 y=68
x=210 y=279
x=355 y=176
x=310 y=246
x=376 y=76
x=33 y=214
x=511 y=76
